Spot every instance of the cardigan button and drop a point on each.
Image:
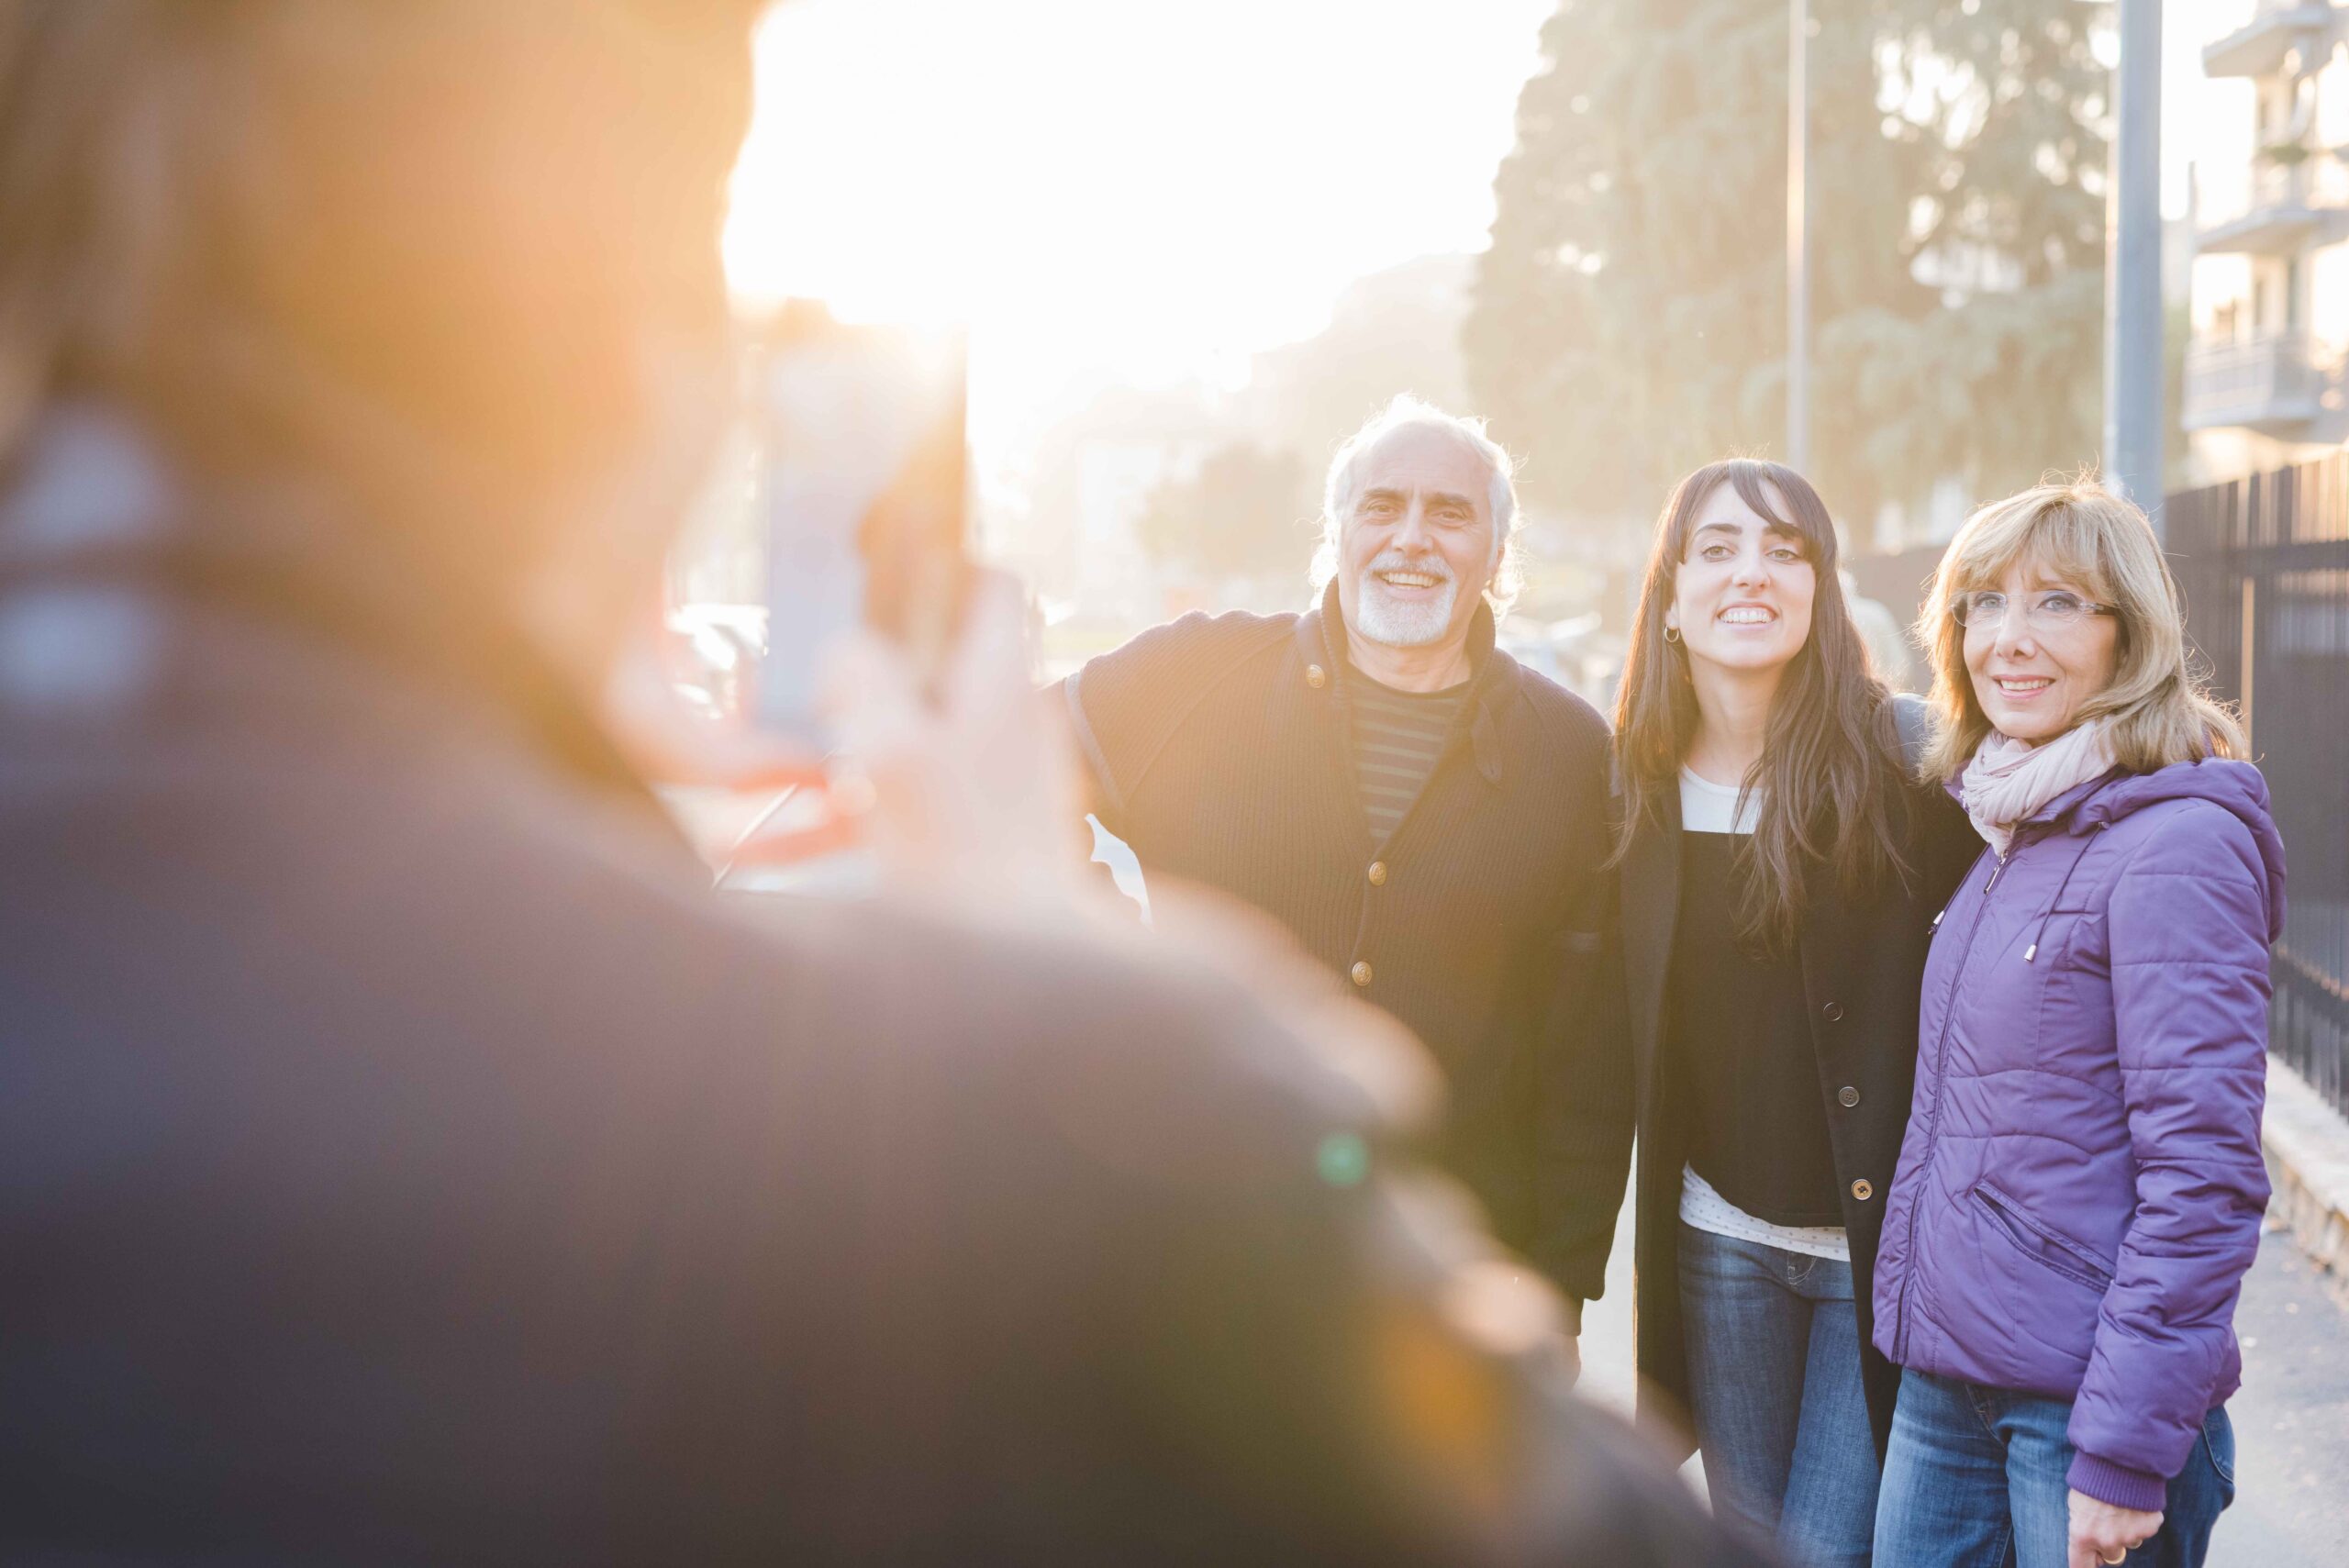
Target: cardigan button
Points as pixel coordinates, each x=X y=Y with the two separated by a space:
x=1862 y=1190
x=1834 y=1011
x=1378 y=873
x=1847 y=1096
x=1361 y=973
x=1316 y=676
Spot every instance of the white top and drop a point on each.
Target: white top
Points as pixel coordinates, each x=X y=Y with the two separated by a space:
x=1709 y=807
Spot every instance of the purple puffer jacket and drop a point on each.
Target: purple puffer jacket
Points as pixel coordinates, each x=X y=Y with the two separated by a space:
x=2080 y=1188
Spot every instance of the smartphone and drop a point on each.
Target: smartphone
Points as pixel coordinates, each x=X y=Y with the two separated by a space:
x=864 y=500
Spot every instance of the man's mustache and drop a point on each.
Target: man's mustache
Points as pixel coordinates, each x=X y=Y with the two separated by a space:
x=1394 y=563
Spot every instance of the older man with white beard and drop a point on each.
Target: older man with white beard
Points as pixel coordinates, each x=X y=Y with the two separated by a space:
x=1427 y=815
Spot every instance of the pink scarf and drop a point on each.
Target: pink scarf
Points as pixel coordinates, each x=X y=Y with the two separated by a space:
x=2009 y=779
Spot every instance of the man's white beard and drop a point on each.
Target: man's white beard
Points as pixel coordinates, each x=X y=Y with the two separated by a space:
x=1396 y=623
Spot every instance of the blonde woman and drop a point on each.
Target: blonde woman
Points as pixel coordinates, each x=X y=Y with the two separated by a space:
x=2080 y=1187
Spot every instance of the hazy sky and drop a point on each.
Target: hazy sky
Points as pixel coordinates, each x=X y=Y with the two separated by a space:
x=1148 y=190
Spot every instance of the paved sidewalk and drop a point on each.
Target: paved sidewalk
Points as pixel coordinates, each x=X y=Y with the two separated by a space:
x=2308 y=1163
x=2291 y=1419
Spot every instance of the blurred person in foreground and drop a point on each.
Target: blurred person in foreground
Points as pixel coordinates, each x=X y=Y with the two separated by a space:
x=403 y=1156
x=1426 y=816
x=2081 y=1186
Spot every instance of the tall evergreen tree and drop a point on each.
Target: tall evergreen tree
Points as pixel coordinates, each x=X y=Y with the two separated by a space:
x=1630 y=319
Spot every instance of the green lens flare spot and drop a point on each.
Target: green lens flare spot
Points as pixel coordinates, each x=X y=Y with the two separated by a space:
x=1344 y=1159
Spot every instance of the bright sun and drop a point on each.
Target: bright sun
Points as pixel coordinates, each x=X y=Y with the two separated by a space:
x=1091 y=184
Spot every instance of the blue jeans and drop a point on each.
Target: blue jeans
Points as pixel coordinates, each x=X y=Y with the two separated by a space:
x=1977 y=1479
x=1773 y=1378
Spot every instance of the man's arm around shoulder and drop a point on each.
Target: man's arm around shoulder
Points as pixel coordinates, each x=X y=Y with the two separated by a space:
x=1126 y=704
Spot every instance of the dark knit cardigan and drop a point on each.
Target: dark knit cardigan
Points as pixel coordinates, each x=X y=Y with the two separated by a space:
x=1863 y=962
x=1221 y=753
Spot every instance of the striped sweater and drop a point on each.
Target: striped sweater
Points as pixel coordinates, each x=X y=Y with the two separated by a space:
x=1398 y=739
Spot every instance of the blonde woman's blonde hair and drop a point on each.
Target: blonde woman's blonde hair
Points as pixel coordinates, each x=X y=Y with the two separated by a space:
x=2083 y=535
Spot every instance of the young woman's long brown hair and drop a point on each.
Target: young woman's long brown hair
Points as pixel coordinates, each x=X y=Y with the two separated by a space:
x=1830 y=759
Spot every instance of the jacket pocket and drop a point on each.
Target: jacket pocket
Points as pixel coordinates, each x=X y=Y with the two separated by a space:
x=2050 y=1249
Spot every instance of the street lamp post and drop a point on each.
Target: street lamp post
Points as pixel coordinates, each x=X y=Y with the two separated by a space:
x=2133 y=369
x=1798 y=237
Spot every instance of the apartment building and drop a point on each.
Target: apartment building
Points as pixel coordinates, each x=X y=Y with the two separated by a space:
x=2265 y=384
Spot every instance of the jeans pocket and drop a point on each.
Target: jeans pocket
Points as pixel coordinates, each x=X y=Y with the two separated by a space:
x=2218 y=1445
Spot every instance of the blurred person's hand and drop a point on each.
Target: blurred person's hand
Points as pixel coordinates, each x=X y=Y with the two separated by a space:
x=963 y=793
x=721 y=778
x=966 y=792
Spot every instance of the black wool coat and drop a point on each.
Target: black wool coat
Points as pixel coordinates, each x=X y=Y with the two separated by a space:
x=1221 y=753
x=1863 y=966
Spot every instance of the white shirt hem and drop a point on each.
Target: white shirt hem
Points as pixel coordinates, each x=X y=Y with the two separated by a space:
x=1703 y=1207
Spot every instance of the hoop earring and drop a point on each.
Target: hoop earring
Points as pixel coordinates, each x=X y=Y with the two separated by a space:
x=1672 y=634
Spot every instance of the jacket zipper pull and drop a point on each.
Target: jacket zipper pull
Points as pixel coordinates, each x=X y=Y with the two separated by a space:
x=2033 y=951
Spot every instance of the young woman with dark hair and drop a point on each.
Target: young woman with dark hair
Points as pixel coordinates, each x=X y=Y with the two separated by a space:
x=1779 y=874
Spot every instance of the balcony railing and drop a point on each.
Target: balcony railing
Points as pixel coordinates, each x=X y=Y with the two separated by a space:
x=2268 y=383
x=2260 y=46
x=2270 y=209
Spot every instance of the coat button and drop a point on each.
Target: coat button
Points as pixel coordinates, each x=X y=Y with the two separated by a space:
x=1361 y=973
x=1316 y=676
x=1378 y=873
x=1834 y=1011
x=1862 y=1190
x=1847 y=1096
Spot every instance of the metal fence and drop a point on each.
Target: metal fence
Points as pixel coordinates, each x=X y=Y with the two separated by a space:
x=2264 y=565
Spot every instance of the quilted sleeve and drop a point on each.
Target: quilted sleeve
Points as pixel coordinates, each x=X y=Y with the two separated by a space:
x=2187 y=927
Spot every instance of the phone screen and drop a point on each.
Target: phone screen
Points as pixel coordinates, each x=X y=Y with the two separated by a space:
x=864 y=501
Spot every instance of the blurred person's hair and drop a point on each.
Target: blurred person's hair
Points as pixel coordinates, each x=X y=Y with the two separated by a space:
x=1409 y=413
x=1831 y=756
x=334 y=239
x=2082 y=534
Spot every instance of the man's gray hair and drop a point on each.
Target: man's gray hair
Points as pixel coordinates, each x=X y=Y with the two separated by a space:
x=1409 y=413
